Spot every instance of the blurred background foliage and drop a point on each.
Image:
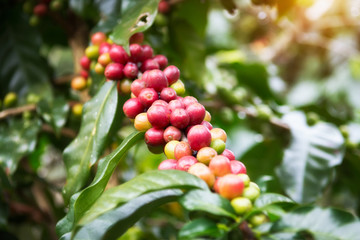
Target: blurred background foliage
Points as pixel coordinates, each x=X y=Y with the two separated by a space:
x=283 y=81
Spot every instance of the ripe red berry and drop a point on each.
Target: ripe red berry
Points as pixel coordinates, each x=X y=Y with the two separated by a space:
x=179 y=118
x=154 y=137
x=40 y=9
x=168 y=164
x=98 y=38
x=188 y=100
x=104 y=47
x=147 y=96
x=147 y=52
x=229 y=154
x=185 y=163
x=85 y=63
x=161 y=60
x=172 y=74
x=118 y=54
x=196 y=113
x=137 y=38
x=237 y=167
x=84 y=73
x=136 y=52
x=182 y=149
x=207 y=124
x=168 y=94
x=114 y=71
x=149 y=64
x=137 y=86
x=160 y=103
x=199 y=137
x=163 y=7
x=159 y=116
x=174 y=104
x=203 y=172
x=220 y=165
x=155 y=79
x=130 y=70
x=230 y=186
x=172 y=133
x=132 y=107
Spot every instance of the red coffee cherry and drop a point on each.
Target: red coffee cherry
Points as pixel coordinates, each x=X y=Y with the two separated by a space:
x=136 y=38
x=179 y=118
x=174 y=104
x=163 y=7
x=160 y=103
x=199 y=137
x=203 y=172
x=161 y=60
x=205 y=155
x=149 y=64
x=229 y=154
x=220 y=165
x=118 y=54
x=172 y=133
x=196 y=113
x=104 y=59
x=98 y=38
x=84 y=73
x=131 y=70
x=188 y=100
x=147 y=96
x=136 y=52
x=237 y=167
x=137 y=86
x=40 y=9
x=159 y=116
x=155 y=79
x=207 y=124
x=182 y=149
x=104 y=48
x=172 y=74
x=168 y=94
x=132 y=107
x=230 y=186
x=85 y=63
x=185 y=163
x=154 y=137
x=168 y=164
x=114 y=71
x=147 y=52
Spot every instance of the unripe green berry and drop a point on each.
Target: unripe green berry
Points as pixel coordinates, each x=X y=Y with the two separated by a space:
x=219 y=145
x=34 y=20
x=312 y=118
x=77 y=110
x=241 y=205
x=169 y=149
x=344 y=131
x=251 y=192
x=32 y=98
x=258 y=219
x=56 y=5
x=10 y=99
x=179 y=87
x=245 y=179
x=92 y=52
x=264 y=112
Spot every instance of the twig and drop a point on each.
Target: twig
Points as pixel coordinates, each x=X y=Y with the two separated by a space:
x=64 y=79
x=246 y=231
x=18 y=110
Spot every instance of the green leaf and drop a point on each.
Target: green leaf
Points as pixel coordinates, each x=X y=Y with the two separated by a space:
x=54 y=112
x=23 y=70
x=144 y=183
x=136 y=16
x=200 y=200
x=310 y=159
x=99 y=115
x=113 y=224
x=321 y=223
x=201 y=227
x=85 y=8
x=97 y=80
x=17 y=140
x=266 y=199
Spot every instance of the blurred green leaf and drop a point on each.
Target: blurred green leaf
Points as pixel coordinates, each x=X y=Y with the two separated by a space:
x=17 y=140
x=97 y=120
x=54 y=112
x=201 y=227
x=309 y=161
x=85 y=8
x=113 y=224
x=320 y=223
x=147 y=182
x=97 y=80
x=200 y=200
x=83 y=200
x=266 y=199
x=23 y=70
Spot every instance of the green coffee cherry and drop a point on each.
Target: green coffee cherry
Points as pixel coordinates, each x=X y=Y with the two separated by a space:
x=264 y=112
x=219 y=145
x=10 y=100
x=258 y=219
x=241 y=205
x=34 y=20
x=245 y=179
x=56 y=5
x=312 y=118
x=251 y=192
x=77 y=110
x=92 y=52
x=32 y=98
x=179 y=87
x=344 y=131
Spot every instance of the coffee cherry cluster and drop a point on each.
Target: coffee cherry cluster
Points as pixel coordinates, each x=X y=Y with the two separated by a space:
x=180 y=126
x=40 y=8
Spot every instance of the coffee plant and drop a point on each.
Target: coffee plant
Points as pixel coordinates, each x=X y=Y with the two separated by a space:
x=179 y=119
